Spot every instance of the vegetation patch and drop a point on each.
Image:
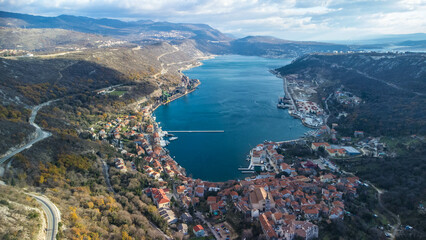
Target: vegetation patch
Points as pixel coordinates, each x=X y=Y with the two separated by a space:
x=20 y=216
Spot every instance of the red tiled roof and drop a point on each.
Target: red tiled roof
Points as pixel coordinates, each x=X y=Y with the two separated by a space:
x=278 y=216
x=198 y=228
x=341 y=150
x=211 y=199
x=311 y=211
x=318 y=144
x=214 y=207
x=163 y=200
x=267 y=227
x=233 y=193
x=285 y=166
x=180 y=189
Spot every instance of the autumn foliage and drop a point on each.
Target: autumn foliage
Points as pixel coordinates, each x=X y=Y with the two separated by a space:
x=65 y=162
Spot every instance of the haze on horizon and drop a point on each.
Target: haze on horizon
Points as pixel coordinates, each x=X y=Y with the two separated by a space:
x=323 y=20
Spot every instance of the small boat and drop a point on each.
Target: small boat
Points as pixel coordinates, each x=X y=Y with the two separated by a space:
x=164 y=143
x=170 y=135
x=173 y=138
x=281 y=105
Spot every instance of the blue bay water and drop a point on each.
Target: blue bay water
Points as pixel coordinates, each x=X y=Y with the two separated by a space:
x=239 y=95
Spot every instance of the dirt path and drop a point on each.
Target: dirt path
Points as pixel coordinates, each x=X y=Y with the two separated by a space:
x=380 y=192
x=164 y=70
x=56 y=54
x=396 y=226
x=377 y=79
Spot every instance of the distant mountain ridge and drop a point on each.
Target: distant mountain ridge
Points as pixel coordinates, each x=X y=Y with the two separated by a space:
x=397 y=38
x=107 y=26
x=268 y=46
x=274 y=40
x=206 y=38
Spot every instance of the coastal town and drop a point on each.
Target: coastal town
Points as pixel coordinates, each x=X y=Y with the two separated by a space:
x=287 y=197
x=301 y=100
x=294 y=189
x=309 y=123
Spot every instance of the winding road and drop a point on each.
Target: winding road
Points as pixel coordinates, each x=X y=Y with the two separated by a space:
x=326 y=107
x=53 y=215
x=164 y=70
x=52 y=212
x=39 y=134
x=105 y=169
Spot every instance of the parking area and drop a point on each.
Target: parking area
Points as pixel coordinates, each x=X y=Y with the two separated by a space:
x=224 y=231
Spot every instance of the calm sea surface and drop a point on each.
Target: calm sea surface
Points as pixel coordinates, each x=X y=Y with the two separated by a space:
x=238 y=95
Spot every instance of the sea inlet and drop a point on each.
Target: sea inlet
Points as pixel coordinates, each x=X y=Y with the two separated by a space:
x=239 y=95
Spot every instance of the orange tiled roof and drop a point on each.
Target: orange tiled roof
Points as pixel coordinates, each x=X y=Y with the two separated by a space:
x=198 y=228
x=318 y=144
x=267 y=227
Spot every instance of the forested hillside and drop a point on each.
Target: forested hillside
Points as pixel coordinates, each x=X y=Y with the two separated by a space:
x=392 y=86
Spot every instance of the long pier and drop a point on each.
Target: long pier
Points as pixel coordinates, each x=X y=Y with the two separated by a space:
x=287 y=93
x=244 y=169
x=197 y=131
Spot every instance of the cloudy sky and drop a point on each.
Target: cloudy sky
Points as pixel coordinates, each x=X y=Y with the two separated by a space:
x=287 y=19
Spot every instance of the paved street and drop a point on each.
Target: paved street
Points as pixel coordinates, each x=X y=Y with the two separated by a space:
x=52 y=213
x=201 y=217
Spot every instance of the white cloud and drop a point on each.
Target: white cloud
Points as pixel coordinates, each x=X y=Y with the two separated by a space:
x=291 y=19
